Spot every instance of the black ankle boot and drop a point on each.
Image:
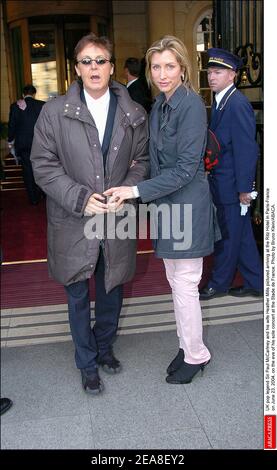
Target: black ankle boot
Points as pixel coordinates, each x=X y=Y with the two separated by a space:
x=176 y=363
x=185 y=373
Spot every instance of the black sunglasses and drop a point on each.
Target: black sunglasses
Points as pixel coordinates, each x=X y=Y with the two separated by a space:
x=88 y=61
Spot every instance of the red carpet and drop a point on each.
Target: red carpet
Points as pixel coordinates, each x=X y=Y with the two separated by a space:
x=28 y=285
x=23 y=228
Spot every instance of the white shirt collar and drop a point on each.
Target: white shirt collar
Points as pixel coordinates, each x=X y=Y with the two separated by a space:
x=102 y=101
x=131 y=81
x=219 y=96
x=99 y=109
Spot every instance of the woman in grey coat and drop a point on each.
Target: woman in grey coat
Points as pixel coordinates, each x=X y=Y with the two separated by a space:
x=180 y=191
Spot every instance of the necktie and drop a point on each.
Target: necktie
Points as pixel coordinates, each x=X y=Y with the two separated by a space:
x=164 y=115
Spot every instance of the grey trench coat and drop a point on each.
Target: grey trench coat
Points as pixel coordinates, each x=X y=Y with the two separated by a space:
x=68 y=166
x=177 y=145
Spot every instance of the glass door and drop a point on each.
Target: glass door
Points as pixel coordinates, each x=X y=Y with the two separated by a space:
x=43 y=61
x=204 y=42
x=72 y=34
x=52 y=43
x=20 y=57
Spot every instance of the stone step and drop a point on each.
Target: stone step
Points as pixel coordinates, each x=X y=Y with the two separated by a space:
x=49 y=324
x=9 y=161
x=12 y=171
x=12 y=184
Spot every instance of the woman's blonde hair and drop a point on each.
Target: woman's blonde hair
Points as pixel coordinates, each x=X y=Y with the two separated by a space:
x=178 y=48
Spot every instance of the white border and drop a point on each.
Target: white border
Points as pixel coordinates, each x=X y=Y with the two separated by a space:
x=270 y=207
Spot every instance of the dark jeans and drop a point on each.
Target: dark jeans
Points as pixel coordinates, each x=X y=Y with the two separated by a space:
x=97 y=341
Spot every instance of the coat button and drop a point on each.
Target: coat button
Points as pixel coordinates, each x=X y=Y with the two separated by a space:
x=67 y=104
x=97 y=176
x=78 y=107
x=115 y=148
x=77 y=112
x=127 y=114
x=94 y=145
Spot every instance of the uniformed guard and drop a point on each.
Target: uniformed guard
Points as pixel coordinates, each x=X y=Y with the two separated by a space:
x=231 y=181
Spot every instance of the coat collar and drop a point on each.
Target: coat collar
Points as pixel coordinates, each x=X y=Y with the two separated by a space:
x=225 y=97
x=218 y=112
x=175 y=99
x=75 y=108
x=135 y=113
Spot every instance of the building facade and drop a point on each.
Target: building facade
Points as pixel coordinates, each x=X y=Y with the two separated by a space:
x=38 y=38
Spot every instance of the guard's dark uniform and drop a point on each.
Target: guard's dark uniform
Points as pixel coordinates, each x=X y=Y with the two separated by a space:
x=233 y=123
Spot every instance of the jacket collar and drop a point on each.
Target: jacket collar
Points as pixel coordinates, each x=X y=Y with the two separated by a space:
x=75 y=106
x=218 y=112
x=225 y=97
x=134 y=113
x=175 y=99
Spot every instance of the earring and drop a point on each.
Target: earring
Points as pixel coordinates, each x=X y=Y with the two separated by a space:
x=183 y=77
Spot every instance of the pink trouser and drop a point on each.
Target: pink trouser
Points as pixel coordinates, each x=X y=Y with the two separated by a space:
x=184 y=276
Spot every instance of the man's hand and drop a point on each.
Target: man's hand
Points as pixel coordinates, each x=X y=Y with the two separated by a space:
x=119 y=195
x=95 y=206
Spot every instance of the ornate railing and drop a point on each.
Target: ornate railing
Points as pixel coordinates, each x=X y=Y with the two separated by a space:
x=251 y=71
x=238 y=27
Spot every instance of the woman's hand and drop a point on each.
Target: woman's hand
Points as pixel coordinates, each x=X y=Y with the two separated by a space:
x=119 y=195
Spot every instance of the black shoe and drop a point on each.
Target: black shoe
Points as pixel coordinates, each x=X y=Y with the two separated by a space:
x=210 y=293
x=244 y=291
x=6 y=403
x=185 y=373
x=176 y=363
x=109 y=363
x=92 y=383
